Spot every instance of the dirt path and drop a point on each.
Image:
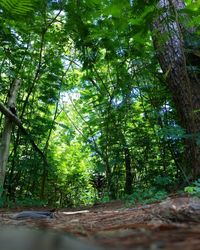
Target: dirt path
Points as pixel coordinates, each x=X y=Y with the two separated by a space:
x=170 y=225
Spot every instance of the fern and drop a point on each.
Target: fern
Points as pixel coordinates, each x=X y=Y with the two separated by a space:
x=17 y=7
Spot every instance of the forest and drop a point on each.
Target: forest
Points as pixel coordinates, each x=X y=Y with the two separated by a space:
x=99 y=101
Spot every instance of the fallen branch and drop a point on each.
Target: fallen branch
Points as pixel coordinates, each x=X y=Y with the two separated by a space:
x=10 y=115
x=18 y=122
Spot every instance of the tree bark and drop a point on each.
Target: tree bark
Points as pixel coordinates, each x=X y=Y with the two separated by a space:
x=7 y=130
x=184 y=86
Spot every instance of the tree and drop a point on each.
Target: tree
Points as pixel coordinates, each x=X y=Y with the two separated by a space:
x=22 y=55
x=7 y=130
x=174 y=55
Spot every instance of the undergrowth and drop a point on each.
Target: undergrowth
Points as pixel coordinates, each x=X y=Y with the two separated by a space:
x=194 y=189
x=145 y=196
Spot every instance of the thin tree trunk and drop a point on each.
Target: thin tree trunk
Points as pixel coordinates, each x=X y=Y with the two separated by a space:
x=6 y=134
x=185 y=89
x=45 y=151
x=129 y=177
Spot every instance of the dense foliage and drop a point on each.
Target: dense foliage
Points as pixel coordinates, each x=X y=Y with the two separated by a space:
x=94 y=100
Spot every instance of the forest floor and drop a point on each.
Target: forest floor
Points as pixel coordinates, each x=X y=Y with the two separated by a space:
x=172 y=224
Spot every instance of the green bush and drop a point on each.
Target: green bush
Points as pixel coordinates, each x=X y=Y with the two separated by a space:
x=146 y=195
x=194 y=189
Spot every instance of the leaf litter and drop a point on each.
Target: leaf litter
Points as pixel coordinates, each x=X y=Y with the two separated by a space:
x=171 y=224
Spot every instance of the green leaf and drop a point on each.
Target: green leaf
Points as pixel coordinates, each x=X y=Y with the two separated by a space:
x=17 y=7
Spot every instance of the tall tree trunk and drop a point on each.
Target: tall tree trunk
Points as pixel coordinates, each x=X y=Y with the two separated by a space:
x=7 y=130
x=185 y=88
x=129 y=177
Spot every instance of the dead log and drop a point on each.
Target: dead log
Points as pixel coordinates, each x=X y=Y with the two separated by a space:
x=34 y=215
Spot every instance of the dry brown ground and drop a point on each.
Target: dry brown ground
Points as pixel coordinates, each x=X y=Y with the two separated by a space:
x=173 y=224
